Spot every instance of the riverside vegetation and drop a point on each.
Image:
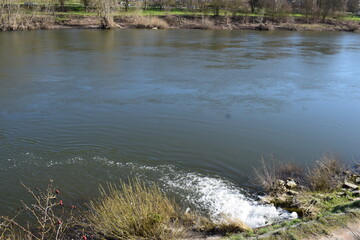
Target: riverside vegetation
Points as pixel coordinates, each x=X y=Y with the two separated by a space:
x=324 y=15
x=326 y=196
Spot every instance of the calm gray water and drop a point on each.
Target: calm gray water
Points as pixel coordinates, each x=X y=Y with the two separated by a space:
x=191 y=110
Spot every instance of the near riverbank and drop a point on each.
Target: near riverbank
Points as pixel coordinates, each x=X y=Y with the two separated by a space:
x=324 y=201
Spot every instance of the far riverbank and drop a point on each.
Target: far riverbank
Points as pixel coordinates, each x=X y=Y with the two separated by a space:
x=68 y=21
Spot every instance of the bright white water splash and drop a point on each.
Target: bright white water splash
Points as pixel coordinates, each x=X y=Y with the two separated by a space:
x=220 y=198
x=224 y=201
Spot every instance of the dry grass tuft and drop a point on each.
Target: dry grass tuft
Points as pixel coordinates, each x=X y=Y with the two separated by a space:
x=231 y=226
x=135 y=211
x=203 y=23
x=325 y=174
x=206 y=225
x=149 y=22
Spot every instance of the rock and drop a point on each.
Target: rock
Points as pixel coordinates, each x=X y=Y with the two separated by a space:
x=292 y=193
x=267 y=199
x=356 y=193
x=264 y=27
x=281 y=200
x=279 y=187
x=154 y=28
x=280 y=182
x=357 y=180
x=294 y=215
x=291 y=184
x=350 y=185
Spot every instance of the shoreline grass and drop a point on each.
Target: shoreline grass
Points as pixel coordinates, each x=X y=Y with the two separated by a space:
x=136 y=210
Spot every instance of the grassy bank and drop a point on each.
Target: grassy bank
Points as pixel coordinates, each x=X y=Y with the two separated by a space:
x=325 y=196
x=153 y=19
x=91 y=20
x=324 y=15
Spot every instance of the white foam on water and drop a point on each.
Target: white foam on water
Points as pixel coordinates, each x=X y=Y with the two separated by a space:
x=220 y=198
x=225 y=201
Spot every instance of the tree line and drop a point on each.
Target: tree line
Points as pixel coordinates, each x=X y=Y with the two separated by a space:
x=314 y=8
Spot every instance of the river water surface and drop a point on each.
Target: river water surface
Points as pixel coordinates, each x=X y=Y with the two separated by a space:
x=190 y=110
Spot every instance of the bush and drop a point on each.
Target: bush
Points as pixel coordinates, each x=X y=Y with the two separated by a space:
x=52 y=218
x=135 y=211
x=265 y=176
x=325 y=174
x=149 y=22
x=290 y=171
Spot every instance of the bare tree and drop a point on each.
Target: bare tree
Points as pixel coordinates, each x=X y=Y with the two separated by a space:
x=216 y=6
x=105 y=9
x=237 y=6
x=308 y=7
x=126 y=5
x=353 y=6
x=62 y=4
x=275 y=7
x=254 y=4
x=328 y=8
x=87 y=4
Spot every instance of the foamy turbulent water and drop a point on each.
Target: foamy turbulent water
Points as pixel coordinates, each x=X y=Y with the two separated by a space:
x=224 y=201
x=219 y=198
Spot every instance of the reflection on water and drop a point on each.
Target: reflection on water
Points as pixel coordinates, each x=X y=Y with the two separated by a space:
x=206 y=103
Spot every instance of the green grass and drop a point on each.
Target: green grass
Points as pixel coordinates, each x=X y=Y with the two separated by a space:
x=352 y=18
x=335 y=212
x=75 y=13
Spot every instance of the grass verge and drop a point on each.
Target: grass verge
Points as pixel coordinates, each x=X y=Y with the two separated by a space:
x=325 y=223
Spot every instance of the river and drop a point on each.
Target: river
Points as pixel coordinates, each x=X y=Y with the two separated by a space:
x=191 y=110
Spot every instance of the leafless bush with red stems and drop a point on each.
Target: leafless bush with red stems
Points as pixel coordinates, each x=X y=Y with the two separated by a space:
x=52 y=217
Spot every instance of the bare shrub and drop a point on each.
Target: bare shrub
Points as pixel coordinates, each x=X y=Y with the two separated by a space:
x=135 y=211
x=52 y=218
x=325 y=174
x=265 y=176
x=290 y=170
x=8 y=231
x=13 y=16
x=207 y=23
x=203 y=23
x=149 y=22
